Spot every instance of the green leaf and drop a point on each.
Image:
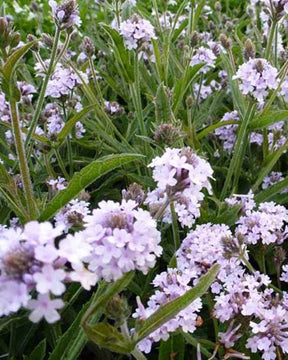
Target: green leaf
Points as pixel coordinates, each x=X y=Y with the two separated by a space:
x=85 y=177
x=211 y=128
x=121 y=53
x=228 y=217
x=39 y=352
x=107 y=336
x=182 y=85
x=194 y=342
x=73 y=340
x=71 y=122
x=268 y=165
x=171 y=309
x=268 y=194
x=162 y=105
x=10 y=64
x=175 y=345
x=112 y=289
x=267 y=119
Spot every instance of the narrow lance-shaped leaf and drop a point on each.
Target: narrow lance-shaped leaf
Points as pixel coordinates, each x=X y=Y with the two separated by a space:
x=268 y=119
x=269 y=164
x=39 y=352
x=171 y=309
x=162 y=105
x=107 y=336
x=268 y=194
x=71 y=122
x=84 y=178
x=10 y=64
x=112 y=289
x=73 y=341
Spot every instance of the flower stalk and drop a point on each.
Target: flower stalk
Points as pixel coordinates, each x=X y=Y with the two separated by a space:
x=23 y=164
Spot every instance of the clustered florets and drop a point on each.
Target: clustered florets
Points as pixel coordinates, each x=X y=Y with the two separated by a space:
x=257 y=77
x=181 y=176
x=136 y=32
x=170 y=284
x=66 y=14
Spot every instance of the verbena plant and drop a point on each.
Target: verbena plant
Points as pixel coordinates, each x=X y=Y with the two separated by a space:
x=143 y=180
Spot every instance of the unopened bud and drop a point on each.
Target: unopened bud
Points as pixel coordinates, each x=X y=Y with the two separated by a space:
x=31 y=38
x=84 y=196
x=14 y=39
x=229 y=25
x=167 y=134
x=211 y=25
x=47 y=40
x=279 y=256
x=225 y=41
x=117 y=309
x=194 y=40
x=134 y=192
x=259 y=66
x=218 y=6
x=87 y=47
x=249 y=50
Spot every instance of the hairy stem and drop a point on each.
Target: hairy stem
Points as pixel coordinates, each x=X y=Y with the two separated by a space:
x=41 y=98
x=23 y=164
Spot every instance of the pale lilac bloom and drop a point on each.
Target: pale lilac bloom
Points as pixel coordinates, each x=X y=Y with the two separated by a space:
x=28 y=260
x=267 y=224
x=4 y=108
x=57 y=184
x=273 y=178
x=72 y=214
x=62 y=81
x=123 y=238
x=284 y=275
x=170 y=284
x=44 y=307
x=246 y=201
x=136 y=32
x=257 y=77
x=50 y=279
x=181 y=176
x=66 y=14
x=206 y=56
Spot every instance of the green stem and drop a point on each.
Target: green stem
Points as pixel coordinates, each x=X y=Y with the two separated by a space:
x=61 y=164
x=23 y=164
x=175 y=229
x=137 y=97
x=138 y=355
x=239 y=151
x=96 y=83
x=270 y=39
x=41 y=98
x=63 y=50
x=211 y=307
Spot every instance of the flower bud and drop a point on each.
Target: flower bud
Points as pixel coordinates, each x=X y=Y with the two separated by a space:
x=218 y=6
x=194 y=40
x=166 y=134
x=134 y=192
x=225 y=41
x=14 y=39
x=87 y=47
x=47 y=40
x=117 y=309
x=31 y=38
x=249 y=50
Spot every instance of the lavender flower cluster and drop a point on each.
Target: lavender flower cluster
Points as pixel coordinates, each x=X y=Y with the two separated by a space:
x=181 y=176
x=236 y=292
x=117 y=238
